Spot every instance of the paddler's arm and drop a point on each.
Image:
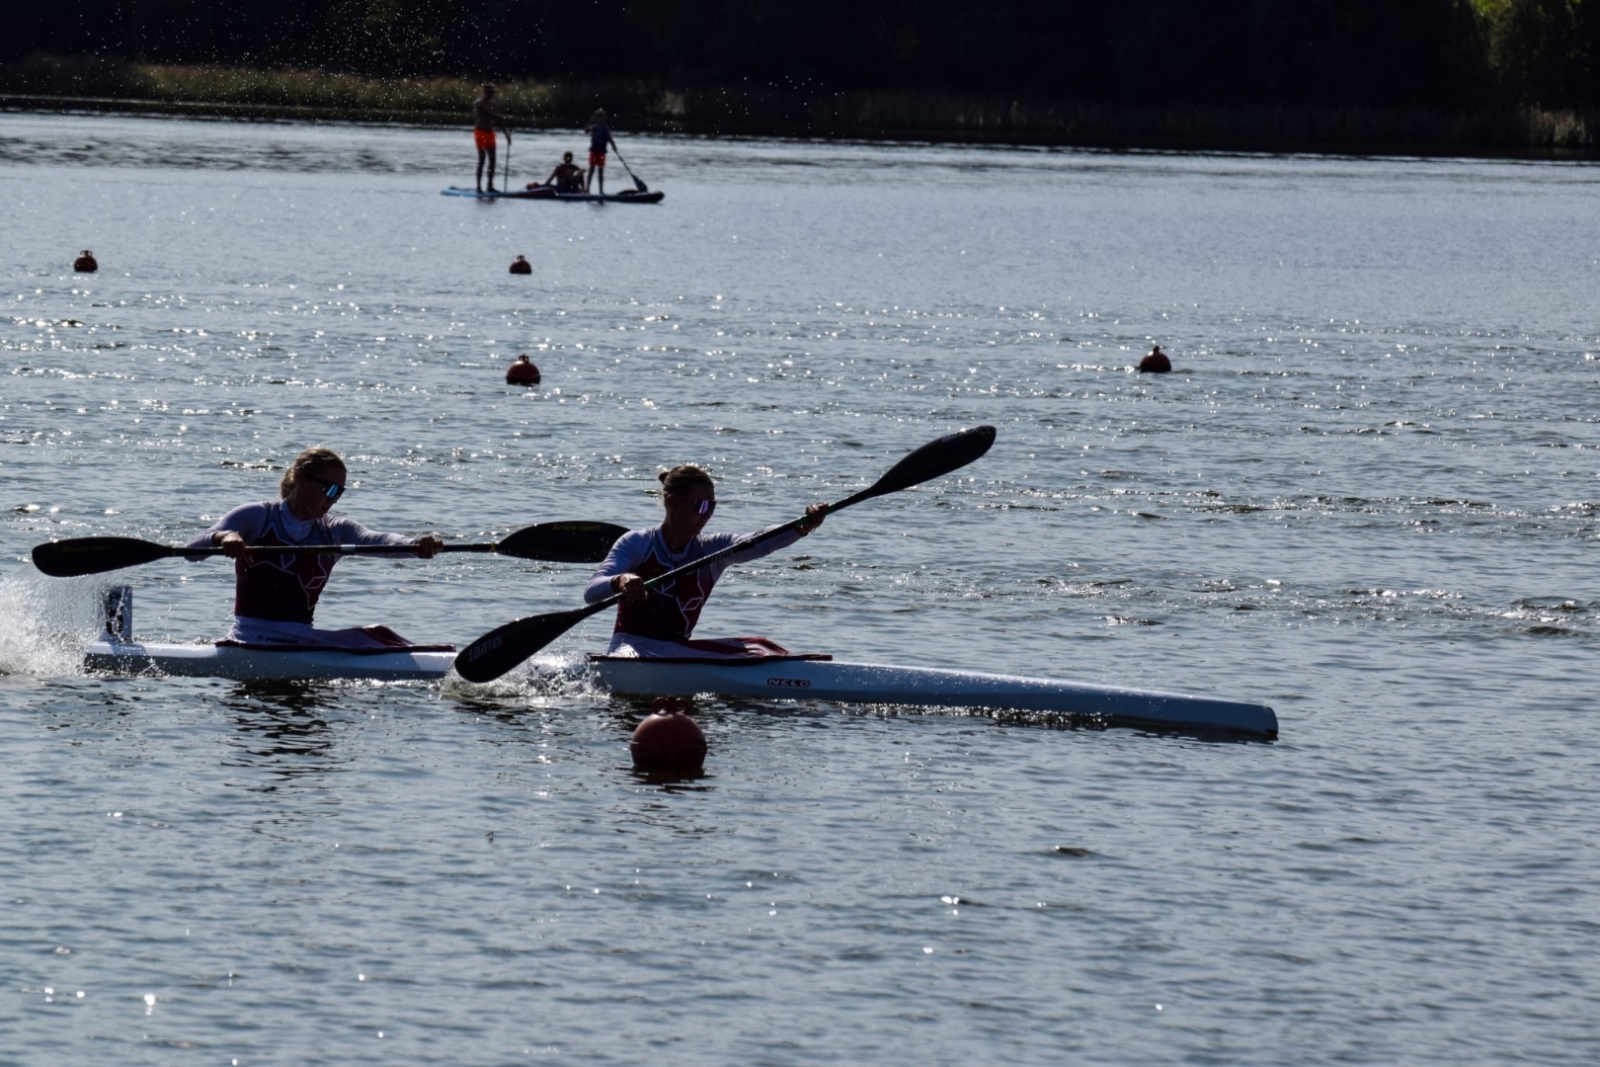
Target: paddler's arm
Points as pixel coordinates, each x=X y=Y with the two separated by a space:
x=615 y=574
x=347 y=531
x=233 y=532
x=630 y=585
x=777 y=543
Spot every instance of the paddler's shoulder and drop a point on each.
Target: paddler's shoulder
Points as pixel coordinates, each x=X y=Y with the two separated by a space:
x=262 y=508
x=636 y=542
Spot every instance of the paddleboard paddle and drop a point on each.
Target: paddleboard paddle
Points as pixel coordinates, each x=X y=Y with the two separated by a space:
x=637 y=184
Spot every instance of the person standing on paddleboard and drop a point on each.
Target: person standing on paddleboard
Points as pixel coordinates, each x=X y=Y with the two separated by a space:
x=275 y=595
x=599 y=131
x=658 y=622
x=486 y=119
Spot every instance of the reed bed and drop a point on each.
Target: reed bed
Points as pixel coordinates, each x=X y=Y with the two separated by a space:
x=742 y=110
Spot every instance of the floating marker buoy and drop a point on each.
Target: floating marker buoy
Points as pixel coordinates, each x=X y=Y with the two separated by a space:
x=85 y=263
x=668 y=740
x=521 y=266
x=1156 y=362
x=522 y=372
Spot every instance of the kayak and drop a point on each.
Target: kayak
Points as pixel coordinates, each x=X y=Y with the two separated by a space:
x=822 y=678
x=260 y=663
x=767 y=677
x=547 y=193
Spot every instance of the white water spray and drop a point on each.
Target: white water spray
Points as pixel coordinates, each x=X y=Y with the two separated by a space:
x=45 y=623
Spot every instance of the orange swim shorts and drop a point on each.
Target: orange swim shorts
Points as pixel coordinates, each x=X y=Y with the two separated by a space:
x=597 y=159
x=484 y=140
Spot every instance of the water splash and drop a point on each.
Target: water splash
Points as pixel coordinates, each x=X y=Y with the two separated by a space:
x=546 y=679
x=45 y=623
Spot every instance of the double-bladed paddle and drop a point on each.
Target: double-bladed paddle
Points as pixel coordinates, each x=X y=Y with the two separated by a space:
x=556 y=542
x=501 y=649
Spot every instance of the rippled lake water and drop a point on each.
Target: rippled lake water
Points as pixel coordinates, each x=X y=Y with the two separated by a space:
x=1368 y=496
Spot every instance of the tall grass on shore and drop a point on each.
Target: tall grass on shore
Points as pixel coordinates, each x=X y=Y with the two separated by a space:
x=638 y=106
x=317 y=89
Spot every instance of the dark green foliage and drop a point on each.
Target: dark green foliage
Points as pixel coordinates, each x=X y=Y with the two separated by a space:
x=1546 y=52
x=1347 y=53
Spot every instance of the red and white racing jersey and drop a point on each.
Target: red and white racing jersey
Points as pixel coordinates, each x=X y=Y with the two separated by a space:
x=285 y=588
x=670 y=612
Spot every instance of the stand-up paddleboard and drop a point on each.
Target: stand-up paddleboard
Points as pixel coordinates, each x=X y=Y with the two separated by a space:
x=545 y=192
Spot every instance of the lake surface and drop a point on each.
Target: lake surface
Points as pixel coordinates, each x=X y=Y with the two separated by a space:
x=1369 y=496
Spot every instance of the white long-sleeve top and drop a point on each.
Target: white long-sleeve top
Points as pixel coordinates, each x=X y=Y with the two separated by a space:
x=670 y=612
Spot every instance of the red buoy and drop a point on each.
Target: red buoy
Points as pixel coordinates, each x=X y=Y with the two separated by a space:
x=521 y=266
x=1156 y=362
x=85 y=263
x=522 y=372
x=668 y=740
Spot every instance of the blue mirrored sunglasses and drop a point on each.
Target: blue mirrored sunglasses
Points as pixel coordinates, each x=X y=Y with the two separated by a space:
x=702 y=507
x=331 y=490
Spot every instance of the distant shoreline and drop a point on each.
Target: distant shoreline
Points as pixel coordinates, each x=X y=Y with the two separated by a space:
x=314 y=96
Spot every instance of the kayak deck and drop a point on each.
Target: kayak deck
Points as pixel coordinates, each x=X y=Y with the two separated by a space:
x=258 y=664
x=790 y=678
x=546 y=193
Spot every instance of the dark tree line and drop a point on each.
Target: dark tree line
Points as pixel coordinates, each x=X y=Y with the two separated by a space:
x=1363 y=53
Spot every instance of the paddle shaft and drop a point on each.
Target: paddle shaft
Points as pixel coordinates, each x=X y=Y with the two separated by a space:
x=641 y=186
x=330 y=550
x=336 y=550
x=556 y=542
x=502 y=648
x=509 y=645
x=739 y=546
x=721 y=553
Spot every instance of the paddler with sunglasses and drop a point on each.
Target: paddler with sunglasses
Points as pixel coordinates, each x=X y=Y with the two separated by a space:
x=658 y=622
x=275 y=595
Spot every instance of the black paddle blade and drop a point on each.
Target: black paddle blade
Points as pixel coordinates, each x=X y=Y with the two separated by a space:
x=948 y=453
x=502 y=648
x=562 y=542
x=95 y=555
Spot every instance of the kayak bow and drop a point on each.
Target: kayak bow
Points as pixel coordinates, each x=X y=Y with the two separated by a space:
x=810 y=678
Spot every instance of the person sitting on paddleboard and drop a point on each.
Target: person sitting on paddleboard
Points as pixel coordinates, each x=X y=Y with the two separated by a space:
x=486 y=118
x=657 y=622
x=599 y=131
x=275 y=595
x=567 y=177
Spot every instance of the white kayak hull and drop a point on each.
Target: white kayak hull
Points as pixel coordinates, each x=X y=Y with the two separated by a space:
x=871 y=683
x=255 y=664
x=775 y=678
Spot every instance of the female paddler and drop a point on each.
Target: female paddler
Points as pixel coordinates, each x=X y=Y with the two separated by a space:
x=658 y=622
x=275 y=594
